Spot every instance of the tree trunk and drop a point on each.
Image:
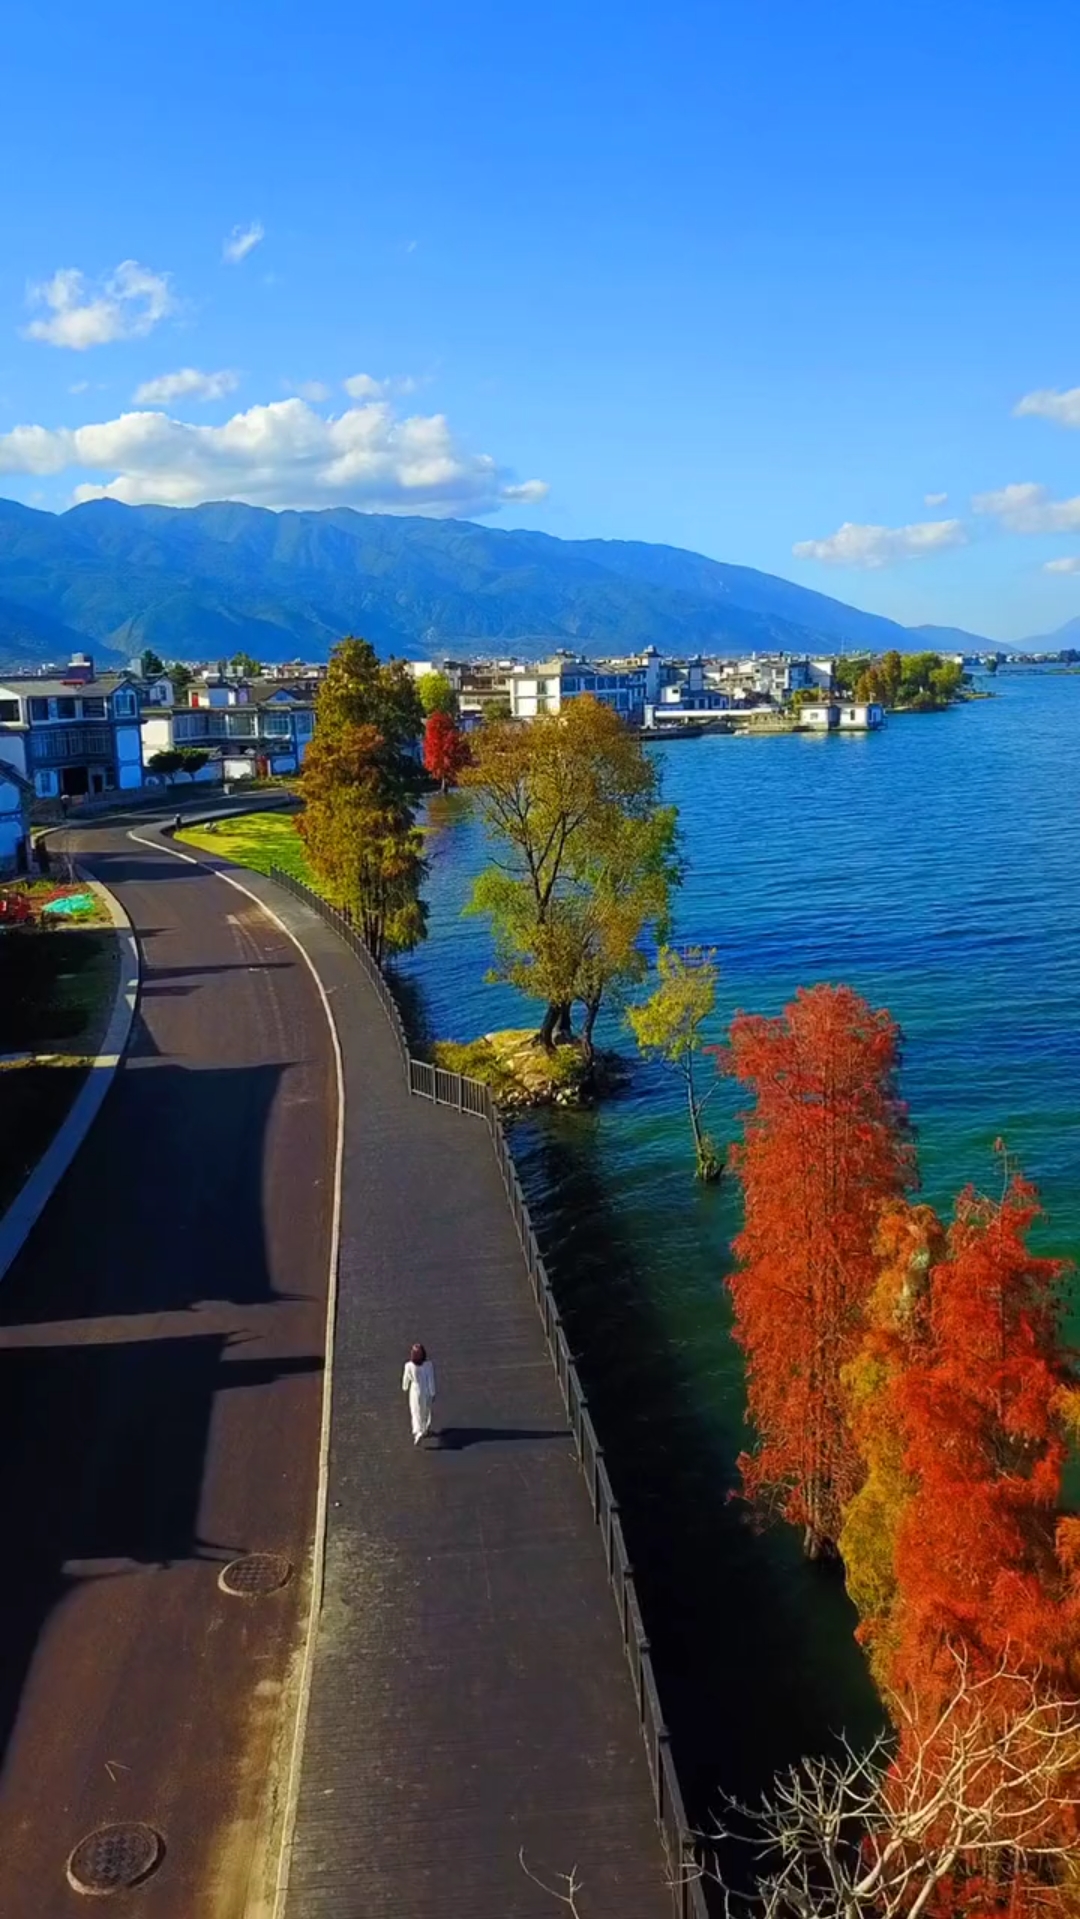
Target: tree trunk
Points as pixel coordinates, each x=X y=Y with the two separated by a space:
x=546 y=1036
x=564 y=1027
x=592 y=1008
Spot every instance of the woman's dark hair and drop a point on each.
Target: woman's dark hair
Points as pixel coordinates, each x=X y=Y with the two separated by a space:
x=418 y=1354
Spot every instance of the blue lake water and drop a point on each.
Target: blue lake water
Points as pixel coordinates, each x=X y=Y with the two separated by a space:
x=935 y=867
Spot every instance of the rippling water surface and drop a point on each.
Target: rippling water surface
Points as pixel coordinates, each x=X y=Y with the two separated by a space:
x=936 y=868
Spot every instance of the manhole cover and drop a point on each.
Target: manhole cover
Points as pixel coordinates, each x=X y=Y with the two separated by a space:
x=114 y=1858
x=254 y=1574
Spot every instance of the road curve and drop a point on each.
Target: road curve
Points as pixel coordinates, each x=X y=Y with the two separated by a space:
x=161 y=1353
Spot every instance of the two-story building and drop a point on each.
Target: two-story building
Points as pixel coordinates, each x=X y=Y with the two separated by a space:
x=75 y=736
x=629 y=686
x=248 y=728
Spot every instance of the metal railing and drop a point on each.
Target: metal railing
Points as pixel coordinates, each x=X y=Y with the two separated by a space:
x=467 y=1095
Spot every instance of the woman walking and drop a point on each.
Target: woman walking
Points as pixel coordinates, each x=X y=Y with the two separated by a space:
x=418 y=1380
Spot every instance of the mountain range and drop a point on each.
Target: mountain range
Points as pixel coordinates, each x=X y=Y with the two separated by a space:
x=203 y=582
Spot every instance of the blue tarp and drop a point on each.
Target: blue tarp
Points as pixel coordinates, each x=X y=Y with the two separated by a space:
x=74 y=903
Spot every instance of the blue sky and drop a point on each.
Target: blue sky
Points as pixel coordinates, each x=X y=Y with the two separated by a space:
x=731 y=277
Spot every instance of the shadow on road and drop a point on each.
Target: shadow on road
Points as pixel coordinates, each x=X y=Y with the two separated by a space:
x=177 y=1218
x=110 y=1442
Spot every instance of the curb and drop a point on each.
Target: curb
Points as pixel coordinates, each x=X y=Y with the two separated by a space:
x=22 y=1215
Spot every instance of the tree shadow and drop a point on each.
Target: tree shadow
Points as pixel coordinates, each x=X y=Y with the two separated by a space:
x=111 y=1440
x=165 y=1204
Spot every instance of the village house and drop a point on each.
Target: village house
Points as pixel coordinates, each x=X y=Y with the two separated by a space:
x=75 y=736
x=841 y=716
x=16 y=797
x=249 y=728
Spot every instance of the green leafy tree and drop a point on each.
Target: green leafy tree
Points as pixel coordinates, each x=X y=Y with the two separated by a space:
x=150 y=666
x=437 y=695
x=891 y=670
x=496 y=709
x=247 y=665
x=361 y=690
x=870 y=686
x=192 y=760
x=585 y=856
x=847 y=671
x=669 y=1026
x=358 y=783
x=167 y=763
x=181 y=677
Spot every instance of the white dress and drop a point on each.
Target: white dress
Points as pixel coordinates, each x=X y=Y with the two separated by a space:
x=419 y=1383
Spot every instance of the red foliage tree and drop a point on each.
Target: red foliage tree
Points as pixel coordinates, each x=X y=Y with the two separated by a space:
x=985 y=1564
x=825 y=1148
x=446 y=750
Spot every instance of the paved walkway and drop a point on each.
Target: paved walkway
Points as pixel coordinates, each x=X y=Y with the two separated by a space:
x=471 y=1698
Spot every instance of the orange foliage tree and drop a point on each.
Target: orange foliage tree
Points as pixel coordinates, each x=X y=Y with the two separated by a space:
x=446 y=750
x=825 y=1148
x=985 y=1564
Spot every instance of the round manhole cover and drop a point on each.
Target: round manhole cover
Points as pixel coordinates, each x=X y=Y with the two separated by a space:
x=114 y=1858
x=254 y=1574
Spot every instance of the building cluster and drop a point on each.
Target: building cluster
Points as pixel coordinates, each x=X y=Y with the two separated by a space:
x=657 y=694
x=77 y=735
x=80 y=735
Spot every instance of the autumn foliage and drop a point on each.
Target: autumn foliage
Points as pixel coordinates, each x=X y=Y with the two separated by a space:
x=915 y=1403
x=974 y=1410
x=825 y=1149
x=446 y=750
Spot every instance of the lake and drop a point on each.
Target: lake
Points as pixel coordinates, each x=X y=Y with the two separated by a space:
x=935 y=867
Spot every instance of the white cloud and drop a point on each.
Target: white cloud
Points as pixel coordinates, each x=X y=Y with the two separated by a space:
x=311 y=390
x=81 y=314
x=283 y=454
x=934 y=499
x=79 y=386
x=241 y=242
x=1027 y=508
x=528 y=490
x=361 y=386
x=876 y=546
x=1049 y=404
x=1062 y=566
x=186 y=383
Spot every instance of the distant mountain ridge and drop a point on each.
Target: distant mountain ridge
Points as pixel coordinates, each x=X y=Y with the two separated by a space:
x=209 y=580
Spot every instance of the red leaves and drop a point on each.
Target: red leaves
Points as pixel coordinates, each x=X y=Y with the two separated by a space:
x=824 y=1149
x=446 y=750
x=980 y=1406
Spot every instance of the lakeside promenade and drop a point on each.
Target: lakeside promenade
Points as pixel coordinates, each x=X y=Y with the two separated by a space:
x=471 y=1700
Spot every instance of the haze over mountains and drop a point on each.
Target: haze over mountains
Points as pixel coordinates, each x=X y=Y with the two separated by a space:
x=208 y=580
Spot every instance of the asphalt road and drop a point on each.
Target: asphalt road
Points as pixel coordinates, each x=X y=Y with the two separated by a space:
x=161 y=1352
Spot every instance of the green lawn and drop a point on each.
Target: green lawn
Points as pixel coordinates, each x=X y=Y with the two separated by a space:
x=258 y=840
x=56 y=993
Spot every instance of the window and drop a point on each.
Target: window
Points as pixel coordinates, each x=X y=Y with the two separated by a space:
x=62 y=709
x=305 y=725
x=46 y=784
x=39 y=709
x=9 y=710
x=277 y=723
x=93 y=709
x=124 y=704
